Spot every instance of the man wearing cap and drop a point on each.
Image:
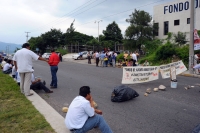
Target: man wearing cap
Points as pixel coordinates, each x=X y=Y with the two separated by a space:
x=23 y=63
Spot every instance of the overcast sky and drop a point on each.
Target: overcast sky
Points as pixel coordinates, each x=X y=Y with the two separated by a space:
x=39 y=16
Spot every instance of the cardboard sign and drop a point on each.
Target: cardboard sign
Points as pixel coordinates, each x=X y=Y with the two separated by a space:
x=165 y=69
x=133 y=75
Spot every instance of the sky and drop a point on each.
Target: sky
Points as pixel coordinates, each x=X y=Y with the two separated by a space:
x=38 y=17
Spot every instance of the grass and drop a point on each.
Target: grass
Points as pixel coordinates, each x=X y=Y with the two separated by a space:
x=17 y=114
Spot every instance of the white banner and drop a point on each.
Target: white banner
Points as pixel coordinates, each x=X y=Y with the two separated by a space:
x=133 y=75
x=165 y=69
x=196 y=40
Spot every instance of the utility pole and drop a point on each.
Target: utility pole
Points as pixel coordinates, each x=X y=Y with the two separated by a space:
x=98 y=27
x=27 y=36
x=191 y=50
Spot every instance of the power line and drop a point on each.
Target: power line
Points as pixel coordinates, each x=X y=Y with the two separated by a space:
x=27 y=36
x=70 y=13
x=123 y=12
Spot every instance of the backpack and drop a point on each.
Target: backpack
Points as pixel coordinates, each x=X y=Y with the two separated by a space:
x=123 y=93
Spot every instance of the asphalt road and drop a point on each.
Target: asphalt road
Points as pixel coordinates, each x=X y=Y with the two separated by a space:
x=170 y=111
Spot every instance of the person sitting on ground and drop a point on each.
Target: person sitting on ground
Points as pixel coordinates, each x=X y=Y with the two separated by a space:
x=4 y=60
x=7 y=69
x=13 y=72
x=146 y=63
x=36 y=84
x=81 y=116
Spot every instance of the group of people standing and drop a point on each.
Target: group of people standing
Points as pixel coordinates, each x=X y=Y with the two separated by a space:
x=81 y=116
x=103 y=59
x=21 y=67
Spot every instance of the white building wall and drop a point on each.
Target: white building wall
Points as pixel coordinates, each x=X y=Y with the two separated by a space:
x=166 y=12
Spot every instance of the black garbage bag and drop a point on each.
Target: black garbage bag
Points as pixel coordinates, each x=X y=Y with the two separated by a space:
x=123 y=93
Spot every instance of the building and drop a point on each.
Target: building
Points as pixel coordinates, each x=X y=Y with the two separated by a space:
x=175 y=16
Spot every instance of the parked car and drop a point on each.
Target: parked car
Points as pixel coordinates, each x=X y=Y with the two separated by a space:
x=46 y=55
x=77 y=56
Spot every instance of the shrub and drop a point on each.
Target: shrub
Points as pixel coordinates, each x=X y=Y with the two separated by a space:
x=120 y=57
x=183 y=54
x=165 y=51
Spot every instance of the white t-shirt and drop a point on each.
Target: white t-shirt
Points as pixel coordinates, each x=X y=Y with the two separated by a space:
x=78 y=113
x=134 y=56
x=24 y=59
x=6 y=67
x=18 y=78
x=13 y=70
x=3 y=63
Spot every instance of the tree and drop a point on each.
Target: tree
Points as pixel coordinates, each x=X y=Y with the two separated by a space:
x=180 y=38
x=52 y=38
x=140 y=29
x=71 y=29
x=112 y=34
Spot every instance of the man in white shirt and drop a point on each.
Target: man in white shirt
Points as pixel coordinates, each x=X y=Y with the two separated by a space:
x=81 y=116
x=134 y=56
x=97 y=58
x=23 y=64
x=7 y=68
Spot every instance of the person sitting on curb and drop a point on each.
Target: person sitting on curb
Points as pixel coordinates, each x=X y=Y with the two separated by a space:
x=146 y=63
x=4 y=60
x=81 y=116
x=7 y=68
x=36 y=84
x=13 y=72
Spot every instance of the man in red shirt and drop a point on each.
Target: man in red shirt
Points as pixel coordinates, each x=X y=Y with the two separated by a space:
x=53 y=62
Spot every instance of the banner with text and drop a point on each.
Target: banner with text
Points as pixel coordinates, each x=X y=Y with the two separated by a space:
x=132 y=75
x=165 y=69
x=196 y=40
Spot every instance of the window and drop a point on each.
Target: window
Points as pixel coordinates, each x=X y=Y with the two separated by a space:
x=188 y=20
x=155 y=29
x=166 y=27
x=176 y=22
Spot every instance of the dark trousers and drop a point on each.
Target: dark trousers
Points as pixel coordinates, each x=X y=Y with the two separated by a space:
x=54 y=70
x=97 y=61
x=134 y=61
x=8 y=71
x=89 y=60
x=39 y=86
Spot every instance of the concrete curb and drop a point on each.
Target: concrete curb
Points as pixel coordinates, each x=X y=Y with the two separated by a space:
x=51 y=115
x=190 y=75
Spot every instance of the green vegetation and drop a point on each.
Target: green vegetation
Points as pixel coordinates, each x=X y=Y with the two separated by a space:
x=17 y=114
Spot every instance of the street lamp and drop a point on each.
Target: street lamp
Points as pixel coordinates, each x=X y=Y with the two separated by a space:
x=98 y=27
x=116 y=43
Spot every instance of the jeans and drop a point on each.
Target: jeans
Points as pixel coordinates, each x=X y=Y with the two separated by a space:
x=95 y=121
x=54 y=70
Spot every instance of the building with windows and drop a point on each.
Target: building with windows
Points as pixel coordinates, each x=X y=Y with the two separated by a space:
x=175 y=16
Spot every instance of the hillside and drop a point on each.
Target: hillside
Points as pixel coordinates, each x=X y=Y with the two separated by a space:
x=12 y=47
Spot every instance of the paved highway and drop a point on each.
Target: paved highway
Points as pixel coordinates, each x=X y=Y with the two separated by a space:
x=171 y=111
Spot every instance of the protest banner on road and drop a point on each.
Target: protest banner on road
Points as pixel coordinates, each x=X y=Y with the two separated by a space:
x=132 y=75
x=165 y=69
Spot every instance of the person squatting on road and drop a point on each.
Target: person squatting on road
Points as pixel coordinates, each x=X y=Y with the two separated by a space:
x=81 y=116
x=23 y=59
x=53 y=62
